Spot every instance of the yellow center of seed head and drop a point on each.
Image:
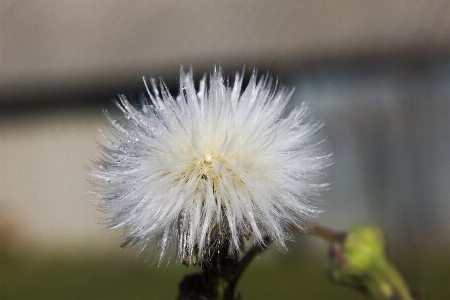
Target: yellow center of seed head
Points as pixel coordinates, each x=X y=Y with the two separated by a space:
x=211 y=165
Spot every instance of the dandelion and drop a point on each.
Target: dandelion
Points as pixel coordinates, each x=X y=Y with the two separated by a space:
x=210 y=169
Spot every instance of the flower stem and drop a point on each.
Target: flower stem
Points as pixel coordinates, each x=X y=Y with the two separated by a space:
x=246 y=260
x=357 y=259
x=220 y=276
x=325 y=233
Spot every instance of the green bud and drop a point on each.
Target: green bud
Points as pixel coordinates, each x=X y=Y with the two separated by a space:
x=359 y=261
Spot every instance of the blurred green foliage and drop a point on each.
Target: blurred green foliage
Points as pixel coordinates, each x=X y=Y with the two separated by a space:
x=297 y=275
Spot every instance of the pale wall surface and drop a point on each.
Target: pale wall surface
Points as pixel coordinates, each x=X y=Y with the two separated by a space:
x=52 y=44
x=43 y=185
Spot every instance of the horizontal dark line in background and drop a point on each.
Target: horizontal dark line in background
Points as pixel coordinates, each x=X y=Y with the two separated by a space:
x=99 y=94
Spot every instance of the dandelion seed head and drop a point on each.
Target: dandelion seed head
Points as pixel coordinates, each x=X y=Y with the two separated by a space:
x=209 y=169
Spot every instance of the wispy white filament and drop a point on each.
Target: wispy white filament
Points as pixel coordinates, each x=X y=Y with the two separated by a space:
x=210 y=168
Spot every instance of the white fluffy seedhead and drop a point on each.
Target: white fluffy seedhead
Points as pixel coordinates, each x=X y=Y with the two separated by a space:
x=211 y=169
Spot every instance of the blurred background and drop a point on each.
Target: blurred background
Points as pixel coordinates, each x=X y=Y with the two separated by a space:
x=377 y=73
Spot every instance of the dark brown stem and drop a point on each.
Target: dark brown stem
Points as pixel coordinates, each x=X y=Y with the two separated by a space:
x=221 y=275
x=325 y=233
x=246 y=260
